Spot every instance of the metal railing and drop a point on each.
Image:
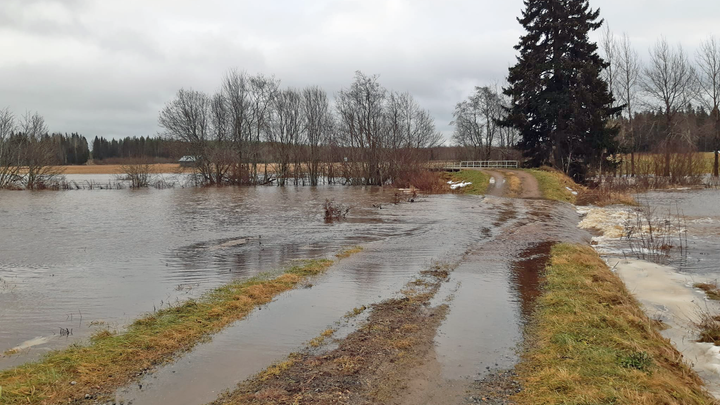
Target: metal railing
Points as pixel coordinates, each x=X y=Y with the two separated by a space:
x=490 y=164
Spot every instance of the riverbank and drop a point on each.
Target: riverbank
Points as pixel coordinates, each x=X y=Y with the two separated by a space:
x=112 y=359
x=590 y=342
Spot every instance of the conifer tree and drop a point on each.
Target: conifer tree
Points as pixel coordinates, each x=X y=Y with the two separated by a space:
x=560 y=103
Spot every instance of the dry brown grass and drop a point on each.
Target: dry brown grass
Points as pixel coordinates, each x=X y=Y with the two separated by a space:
x=117 y=169
x=514 y=184
x=110 y=360
x=590 y=343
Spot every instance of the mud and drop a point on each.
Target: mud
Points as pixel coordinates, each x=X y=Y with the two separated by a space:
x=368 y=366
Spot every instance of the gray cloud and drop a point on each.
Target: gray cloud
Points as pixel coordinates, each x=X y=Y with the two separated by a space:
x=105 y=68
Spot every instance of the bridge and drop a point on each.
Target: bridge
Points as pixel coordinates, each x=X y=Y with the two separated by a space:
x=479 y=164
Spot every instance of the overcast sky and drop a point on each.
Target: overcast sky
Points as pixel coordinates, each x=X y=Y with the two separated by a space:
x=105 y=68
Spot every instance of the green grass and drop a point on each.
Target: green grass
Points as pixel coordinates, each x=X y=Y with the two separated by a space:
x=112 y=359
x=480 y=181
x=590 y=343
x=553 y=185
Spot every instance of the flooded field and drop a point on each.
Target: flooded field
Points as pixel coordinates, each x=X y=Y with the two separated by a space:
x=666 y=287
x=73 y=261
x=76 y=261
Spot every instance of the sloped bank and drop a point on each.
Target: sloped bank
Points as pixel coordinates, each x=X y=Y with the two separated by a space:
x=591 y=343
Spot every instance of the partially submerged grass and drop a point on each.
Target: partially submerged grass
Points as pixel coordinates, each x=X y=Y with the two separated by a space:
x=711 y=290
x=590 y=343
x=111 y=360
x=480 y=181
x=349 y=252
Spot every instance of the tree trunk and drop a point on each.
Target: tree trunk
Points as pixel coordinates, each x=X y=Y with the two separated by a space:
x=632 y=163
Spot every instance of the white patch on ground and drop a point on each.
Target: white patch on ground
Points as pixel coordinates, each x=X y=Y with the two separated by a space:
x=462 y=184
x=31 y=343
x=669 y=296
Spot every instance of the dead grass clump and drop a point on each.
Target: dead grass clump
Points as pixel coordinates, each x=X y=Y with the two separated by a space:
x=602 y=197
x=334 y=211
x=514 y=184
x=709 y=329
x=425 y=181
x=711 y=290
x=590 y=343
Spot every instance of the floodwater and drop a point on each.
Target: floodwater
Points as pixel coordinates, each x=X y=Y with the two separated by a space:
x=73 y=261
x=666 y=290
x=492 y=289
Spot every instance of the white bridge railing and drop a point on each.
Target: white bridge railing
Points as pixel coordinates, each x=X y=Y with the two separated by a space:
x=494 y=164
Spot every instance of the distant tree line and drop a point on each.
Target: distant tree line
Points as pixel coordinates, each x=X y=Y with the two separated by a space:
x=477 y=125
x=671 y=103
x=135 y=148
x=367 y=135
x=29 y=153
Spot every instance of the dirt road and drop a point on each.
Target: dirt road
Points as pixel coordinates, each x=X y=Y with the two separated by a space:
x=512 y=183
x=450 y=337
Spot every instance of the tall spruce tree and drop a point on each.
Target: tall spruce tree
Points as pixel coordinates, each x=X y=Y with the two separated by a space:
x=560 y=103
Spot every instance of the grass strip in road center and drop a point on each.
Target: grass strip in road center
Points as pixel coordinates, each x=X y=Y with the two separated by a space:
x=591 y=343
x=370 y=366
x=111 y=360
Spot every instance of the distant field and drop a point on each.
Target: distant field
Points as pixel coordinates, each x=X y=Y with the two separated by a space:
x=115 y=169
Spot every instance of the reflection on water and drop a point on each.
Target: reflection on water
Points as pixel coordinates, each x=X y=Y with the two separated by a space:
x=69 y=259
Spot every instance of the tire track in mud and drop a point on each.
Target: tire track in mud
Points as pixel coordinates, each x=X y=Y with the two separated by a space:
x=409 y=351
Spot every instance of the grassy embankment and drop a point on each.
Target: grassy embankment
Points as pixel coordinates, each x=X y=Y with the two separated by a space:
x=591 y=343
x=111 y=360
x=480 y=181
x=554 y=185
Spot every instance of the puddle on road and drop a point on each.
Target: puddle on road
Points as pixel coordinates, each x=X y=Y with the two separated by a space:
x=450 y=226
x=494 y=290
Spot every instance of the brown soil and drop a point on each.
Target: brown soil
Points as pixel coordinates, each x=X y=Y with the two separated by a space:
x=530 y=188
x=503 y=186
x=373 y=365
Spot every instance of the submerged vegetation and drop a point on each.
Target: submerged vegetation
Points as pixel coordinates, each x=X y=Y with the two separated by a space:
x=112 y=359
x=591 y=343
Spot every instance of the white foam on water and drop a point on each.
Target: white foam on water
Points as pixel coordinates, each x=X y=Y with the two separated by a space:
x=670 y=296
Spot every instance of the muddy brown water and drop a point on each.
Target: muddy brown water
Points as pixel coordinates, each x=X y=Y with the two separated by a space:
x=71 y=258
x=491 y=294
x=81 y=260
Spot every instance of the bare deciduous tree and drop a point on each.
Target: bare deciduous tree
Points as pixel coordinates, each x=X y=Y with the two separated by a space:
x=37 y=153
x=285 y=130
x=669 y=80
x=319 y=124
x=476 y=121
x=361 y=110
x=708 y=62
x=9 y=164
x=609 y=47
x=628 y=70
x=188 y=118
